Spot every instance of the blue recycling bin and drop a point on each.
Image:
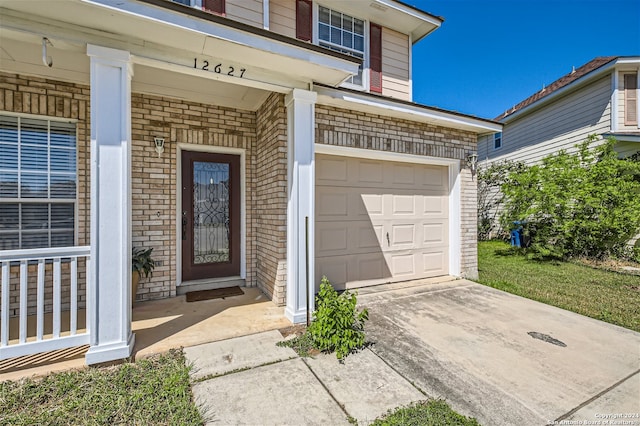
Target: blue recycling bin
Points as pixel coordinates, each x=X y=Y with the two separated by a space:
x=516 y=234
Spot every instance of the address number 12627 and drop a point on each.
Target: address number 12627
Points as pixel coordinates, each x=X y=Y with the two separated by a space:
x=204 y=65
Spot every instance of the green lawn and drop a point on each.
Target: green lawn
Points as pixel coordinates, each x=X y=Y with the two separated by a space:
x=426 y=413
x=604 y=295
x=153 y=391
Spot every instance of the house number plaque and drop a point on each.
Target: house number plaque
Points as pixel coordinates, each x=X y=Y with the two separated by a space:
x=218 y=68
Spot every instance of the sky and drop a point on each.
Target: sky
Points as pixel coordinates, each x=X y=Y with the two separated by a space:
x=489 y=55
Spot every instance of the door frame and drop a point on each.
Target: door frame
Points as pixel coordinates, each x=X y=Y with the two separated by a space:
x=243 y=218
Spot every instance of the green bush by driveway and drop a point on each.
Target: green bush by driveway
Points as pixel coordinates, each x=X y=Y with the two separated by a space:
x=603 y=295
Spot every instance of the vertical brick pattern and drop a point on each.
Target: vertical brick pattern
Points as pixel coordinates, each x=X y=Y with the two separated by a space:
x=342 y=127
x=271 y=197
x=53 y=99
x=154 y=179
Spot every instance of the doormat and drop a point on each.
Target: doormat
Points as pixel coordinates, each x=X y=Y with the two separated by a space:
x=218 y=293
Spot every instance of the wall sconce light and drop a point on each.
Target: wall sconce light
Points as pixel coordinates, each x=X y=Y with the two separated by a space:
x=472 y=162
x=159 y=145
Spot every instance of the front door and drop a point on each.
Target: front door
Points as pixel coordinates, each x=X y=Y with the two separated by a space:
x=210 y=215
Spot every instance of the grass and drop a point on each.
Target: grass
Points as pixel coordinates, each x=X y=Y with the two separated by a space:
x=152 y=391
x=425 y=413
x=599 y=294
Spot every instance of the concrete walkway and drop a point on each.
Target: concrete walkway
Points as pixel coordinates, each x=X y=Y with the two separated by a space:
x=500 y=358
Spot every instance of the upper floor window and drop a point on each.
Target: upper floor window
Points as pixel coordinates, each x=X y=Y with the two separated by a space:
x=497 y=140
x=215 y=6
x=344 y=34
x=631 y=99
x=37 y=183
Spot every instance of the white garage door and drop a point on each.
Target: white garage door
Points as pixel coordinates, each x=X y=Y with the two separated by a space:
x=379 y=221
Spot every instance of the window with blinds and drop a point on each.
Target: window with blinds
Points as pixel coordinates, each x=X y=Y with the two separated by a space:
x=37 y=183
x=344 y=34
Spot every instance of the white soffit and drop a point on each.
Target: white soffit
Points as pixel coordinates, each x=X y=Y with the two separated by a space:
x=391 y=108
x=390 y=13
x=137 y=25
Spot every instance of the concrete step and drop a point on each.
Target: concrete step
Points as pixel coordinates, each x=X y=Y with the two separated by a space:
x=210 y=284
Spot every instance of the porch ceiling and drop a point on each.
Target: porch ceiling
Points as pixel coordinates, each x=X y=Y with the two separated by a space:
x=168 y=39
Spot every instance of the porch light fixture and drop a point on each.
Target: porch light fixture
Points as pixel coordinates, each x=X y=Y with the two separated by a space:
x=47 y=60
x=472 y=162
x=159 y=142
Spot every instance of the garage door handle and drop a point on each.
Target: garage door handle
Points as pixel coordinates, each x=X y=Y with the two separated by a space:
x=388 y=241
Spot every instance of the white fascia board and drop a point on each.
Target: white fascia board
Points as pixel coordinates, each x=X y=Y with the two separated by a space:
x=633 y=60
x=389 y=107
x=574 y=85
x=423 y=16
x=214 y=30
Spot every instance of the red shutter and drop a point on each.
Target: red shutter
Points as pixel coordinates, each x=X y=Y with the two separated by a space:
x=630 y=99
x=215 y=6
x=304 y=23
x=375 y=58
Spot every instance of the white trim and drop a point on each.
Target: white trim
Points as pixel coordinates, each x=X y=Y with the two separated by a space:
x=392 y=108
x=615 y=77
x=453 y=167
x=638 y=97
x=410 y=67
x=243 y=202
x=265 y=14
x=455 y=220
x=493 y=145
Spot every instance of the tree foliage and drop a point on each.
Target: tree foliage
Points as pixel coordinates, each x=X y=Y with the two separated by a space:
x=490 y=198
x=582 y=204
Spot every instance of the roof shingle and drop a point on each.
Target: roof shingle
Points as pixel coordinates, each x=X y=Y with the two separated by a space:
x=563 y=81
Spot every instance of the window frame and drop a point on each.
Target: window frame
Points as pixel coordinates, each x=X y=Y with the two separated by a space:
x=20 y=200
x=365 y=61
x=497 y=137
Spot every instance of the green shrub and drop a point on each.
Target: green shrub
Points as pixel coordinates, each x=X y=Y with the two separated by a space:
x=583 y=204
x=337 y=325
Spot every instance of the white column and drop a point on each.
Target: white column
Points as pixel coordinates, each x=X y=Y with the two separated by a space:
x=301 y=203
x=109 y=287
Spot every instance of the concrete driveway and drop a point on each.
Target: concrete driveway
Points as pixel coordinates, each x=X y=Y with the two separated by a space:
x=499 y=358
x=504 y=359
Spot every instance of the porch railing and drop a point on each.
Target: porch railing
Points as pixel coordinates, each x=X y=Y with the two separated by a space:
x=49 y=334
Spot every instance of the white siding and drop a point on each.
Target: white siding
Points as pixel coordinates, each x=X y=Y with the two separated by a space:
x=395 y=65
x=246 y=11
x=559 y=125
x=626 y=149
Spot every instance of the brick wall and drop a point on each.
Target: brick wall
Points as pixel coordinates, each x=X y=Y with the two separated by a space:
x=342 y=127
x=154 y=179
x=271 y=198
x=49 y=98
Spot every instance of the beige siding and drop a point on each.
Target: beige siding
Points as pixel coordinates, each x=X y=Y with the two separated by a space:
x=395 y=65
x=559 y=125
x=282 y=17
x=621 y=99
x=246 y=11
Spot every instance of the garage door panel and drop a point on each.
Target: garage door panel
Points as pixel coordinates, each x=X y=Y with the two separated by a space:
x=334 y=268
x=368 y=172
x=434 y=233
x=434 y=206
x=434 y=262
x=383 y=222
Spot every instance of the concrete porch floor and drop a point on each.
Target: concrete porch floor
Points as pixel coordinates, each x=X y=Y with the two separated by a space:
x=160 y=325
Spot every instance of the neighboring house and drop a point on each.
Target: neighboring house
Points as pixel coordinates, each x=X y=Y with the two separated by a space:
x=217 y=132
x=600 y=97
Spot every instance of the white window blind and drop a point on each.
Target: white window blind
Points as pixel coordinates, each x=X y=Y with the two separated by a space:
x=37 y=183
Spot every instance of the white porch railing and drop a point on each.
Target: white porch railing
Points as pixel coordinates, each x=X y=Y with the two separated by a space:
x=22 y=261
